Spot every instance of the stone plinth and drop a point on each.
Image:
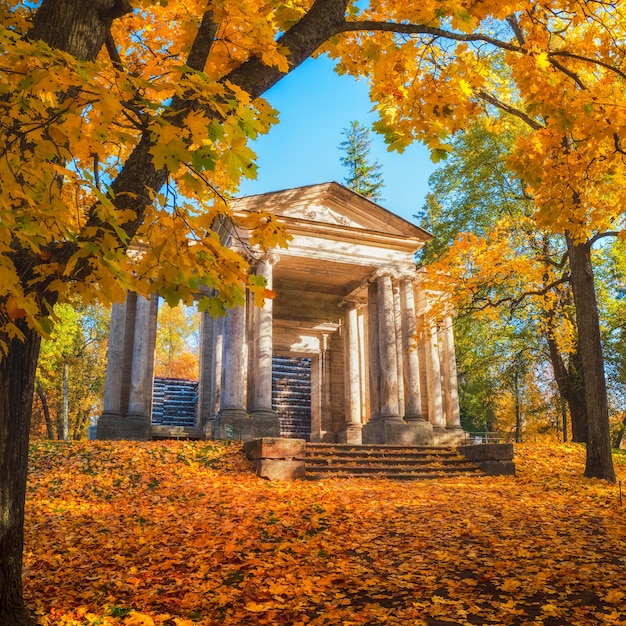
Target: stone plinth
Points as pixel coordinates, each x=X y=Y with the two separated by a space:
x=116 y=428
x=398 y=432
x=277 y=459
x=495 y=459
x=240 y=426
x=351 y=434
x=449 y=437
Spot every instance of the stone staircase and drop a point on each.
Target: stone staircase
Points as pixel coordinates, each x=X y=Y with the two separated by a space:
x=393 y=462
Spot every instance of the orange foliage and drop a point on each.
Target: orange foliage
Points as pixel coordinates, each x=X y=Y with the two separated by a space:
x=181 y=533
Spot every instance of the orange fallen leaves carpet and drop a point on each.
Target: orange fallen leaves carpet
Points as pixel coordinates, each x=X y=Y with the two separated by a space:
x=182 y=533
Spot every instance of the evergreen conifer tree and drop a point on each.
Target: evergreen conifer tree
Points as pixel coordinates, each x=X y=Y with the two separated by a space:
x=363 y=177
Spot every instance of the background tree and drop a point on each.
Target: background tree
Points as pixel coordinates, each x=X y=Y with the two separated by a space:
x=71 y=372
x=508 y=274
x=364 y=177
x=177 y=341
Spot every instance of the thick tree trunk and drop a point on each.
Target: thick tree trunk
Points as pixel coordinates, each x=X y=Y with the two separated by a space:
x=17 y=383
x=599 y=460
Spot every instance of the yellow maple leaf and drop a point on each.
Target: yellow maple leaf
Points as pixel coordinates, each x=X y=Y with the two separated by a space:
x=614 y=596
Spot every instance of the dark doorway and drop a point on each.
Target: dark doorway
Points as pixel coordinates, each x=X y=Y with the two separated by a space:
x=291 y=395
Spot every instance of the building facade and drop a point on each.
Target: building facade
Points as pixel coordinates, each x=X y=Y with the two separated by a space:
x=349 y=303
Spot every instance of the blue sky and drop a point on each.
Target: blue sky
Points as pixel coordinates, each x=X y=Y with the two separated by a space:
x=315 y=105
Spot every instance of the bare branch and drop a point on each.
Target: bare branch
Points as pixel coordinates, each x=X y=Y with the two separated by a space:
x=608 y=233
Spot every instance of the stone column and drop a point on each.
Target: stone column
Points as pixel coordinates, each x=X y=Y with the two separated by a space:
x=316 y=398
x=387 y=427
x=389 y=407
x=351 y=434
x=412 y=391
x=232 y=417
x=115 y=359
x=265 y=422
x=216 y=364
x=327 y=406
x=373 y=351
x=453 y=413
x=397 y=314
x=433 y=376
x=140 y=391
x=363 y=367
x=206 y=377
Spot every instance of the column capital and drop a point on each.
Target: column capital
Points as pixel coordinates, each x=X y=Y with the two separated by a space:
x=270 y=257
x=352 y=301
x=395 y=273
x=408 y=274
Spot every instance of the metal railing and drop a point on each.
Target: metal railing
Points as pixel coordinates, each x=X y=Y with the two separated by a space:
x=489 y=437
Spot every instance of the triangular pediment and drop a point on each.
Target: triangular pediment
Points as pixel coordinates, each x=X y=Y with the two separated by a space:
x=334 y=205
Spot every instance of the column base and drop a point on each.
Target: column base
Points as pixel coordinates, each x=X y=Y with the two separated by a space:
x=116 y=427
x=398 y=432
x=451 y=437
x=238 y=425
x=414 y=418
x=352 y=434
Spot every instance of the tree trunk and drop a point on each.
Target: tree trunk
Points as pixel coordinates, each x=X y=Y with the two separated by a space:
x=66 y=401
x=569 y=384
x=17 y=383
x=599 y=459
x=576 y=400
x=46 y=410
x=518 y=409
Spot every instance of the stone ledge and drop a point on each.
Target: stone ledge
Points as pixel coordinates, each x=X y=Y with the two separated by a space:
x=495 y=459
x=275 y=458
x=274 y=448
x=279 y=469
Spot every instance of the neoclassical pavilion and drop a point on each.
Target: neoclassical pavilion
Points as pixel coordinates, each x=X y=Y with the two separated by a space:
x=350 y=308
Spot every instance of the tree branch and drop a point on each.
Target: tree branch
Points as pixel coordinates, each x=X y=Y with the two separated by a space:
x=579 y=57
x=509 y=109
x=420 y=29
x=515 y=302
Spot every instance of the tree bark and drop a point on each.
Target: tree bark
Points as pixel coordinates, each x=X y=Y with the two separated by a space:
x=599 y=462
x=46 y=410
x=17 y=384
x=569 y=384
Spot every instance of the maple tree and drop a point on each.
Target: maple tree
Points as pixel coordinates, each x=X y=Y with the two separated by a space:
x=183 y=533
x=126 y=124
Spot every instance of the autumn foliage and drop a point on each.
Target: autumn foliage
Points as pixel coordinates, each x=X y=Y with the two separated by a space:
x=183 y=533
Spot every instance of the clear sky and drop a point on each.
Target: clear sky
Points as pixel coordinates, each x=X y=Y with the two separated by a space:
x=315 y=106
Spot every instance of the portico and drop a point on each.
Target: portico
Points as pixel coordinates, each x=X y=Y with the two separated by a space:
x=348 y=299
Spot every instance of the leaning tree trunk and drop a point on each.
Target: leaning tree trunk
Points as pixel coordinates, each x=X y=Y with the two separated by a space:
x=17 y=384
x=570 y=389
x=599 y=459
x=577 y=406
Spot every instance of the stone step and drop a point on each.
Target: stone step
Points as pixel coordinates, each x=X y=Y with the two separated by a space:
x=393 y=462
